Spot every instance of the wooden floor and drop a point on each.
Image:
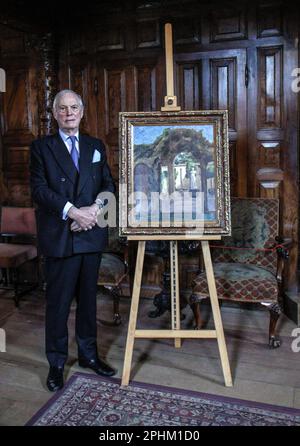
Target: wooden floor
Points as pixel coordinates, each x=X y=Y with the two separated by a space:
x=259 y=374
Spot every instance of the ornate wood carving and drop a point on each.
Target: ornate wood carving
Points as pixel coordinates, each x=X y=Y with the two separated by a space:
x=43 y=46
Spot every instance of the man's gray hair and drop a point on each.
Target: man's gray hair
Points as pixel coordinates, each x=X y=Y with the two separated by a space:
x=61 y=93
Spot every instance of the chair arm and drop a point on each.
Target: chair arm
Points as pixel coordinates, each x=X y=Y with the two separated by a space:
x=282 y=248
x=124 y=243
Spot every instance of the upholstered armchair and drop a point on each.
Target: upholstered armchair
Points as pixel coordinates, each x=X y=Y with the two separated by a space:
x=248 y=266
x=113 y=271
x=17 y=247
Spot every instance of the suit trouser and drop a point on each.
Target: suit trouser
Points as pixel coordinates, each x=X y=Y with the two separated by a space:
x=66 y=278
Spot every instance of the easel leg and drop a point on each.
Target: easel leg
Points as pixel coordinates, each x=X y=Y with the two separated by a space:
x=175 y=304
x=216 y=313
x=133 y=312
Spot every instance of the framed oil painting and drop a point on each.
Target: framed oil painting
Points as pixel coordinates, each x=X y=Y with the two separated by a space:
x=174 y=173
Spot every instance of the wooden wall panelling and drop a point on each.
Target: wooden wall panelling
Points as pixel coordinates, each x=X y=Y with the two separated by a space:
x=19 y=127
x=269 y=110
x=79 y=82
x=116 y=94
x=290 y=144
x=228 y=23
x=188 y=85
x=269 y=19
x=109 y=36
x=222 y=86
x=13 y=41
x=234 y=169
x=28 y=58
x=145 y=81
x=272 y=130
x=148 y=33
x=187 y=30
x=19 y=104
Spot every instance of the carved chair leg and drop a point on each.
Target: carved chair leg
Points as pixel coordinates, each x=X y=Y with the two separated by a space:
x=116 y=291
x=195 y=306
x=275 y=311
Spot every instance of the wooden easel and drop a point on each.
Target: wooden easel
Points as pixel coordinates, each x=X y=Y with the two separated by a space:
x=175 y=333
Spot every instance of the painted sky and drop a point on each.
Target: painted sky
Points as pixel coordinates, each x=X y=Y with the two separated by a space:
x=148 y=133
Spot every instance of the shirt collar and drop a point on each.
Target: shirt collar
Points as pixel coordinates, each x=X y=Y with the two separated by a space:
x=65 y=137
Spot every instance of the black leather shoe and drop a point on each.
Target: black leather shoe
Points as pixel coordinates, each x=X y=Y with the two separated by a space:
x=99 y=366
x=55 y=380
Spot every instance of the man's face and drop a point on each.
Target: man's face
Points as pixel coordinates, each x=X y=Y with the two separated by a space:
x=68 y=113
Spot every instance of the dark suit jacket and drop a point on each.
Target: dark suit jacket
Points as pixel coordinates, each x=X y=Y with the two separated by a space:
x=54 y=181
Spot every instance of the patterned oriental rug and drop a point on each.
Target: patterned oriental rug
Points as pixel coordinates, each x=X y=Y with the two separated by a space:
x=88 y=400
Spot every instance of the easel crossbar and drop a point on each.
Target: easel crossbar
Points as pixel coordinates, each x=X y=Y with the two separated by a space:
x=175 y=334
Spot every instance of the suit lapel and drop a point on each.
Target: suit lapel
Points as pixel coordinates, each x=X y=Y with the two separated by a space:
x=85 y=161
x=63 y=157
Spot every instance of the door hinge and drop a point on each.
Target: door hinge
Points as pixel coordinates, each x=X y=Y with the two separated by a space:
x=246 y=76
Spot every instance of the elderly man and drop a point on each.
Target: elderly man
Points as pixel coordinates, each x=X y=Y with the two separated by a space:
x=68 y=171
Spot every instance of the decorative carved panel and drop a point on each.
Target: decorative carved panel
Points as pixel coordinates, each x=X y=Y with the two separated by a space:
x=188 y=81
x=148 y=34
x=269 y=21
x=19 y=193
x=108 y=37
x=223 y=87
x=19 y=106
x=269 y=87
x=79 y=81
x=115 y=97
x=17 y=162
x=12 y=42
x=145 y=86
x=269 y=154
x=186 y=30
x=269 y=180
x=228 y=24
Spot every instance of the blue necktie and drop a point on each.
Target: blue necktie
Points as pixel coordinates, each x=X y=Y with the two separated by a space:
x=74 y=152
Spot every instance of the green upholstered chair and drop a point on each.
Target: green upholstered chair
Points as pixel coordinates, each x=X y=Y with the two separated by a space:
x=248 y=265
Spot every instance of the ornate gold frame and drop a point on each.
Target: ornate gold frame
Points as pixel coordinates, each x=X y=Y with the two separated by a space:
x=221 y=224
